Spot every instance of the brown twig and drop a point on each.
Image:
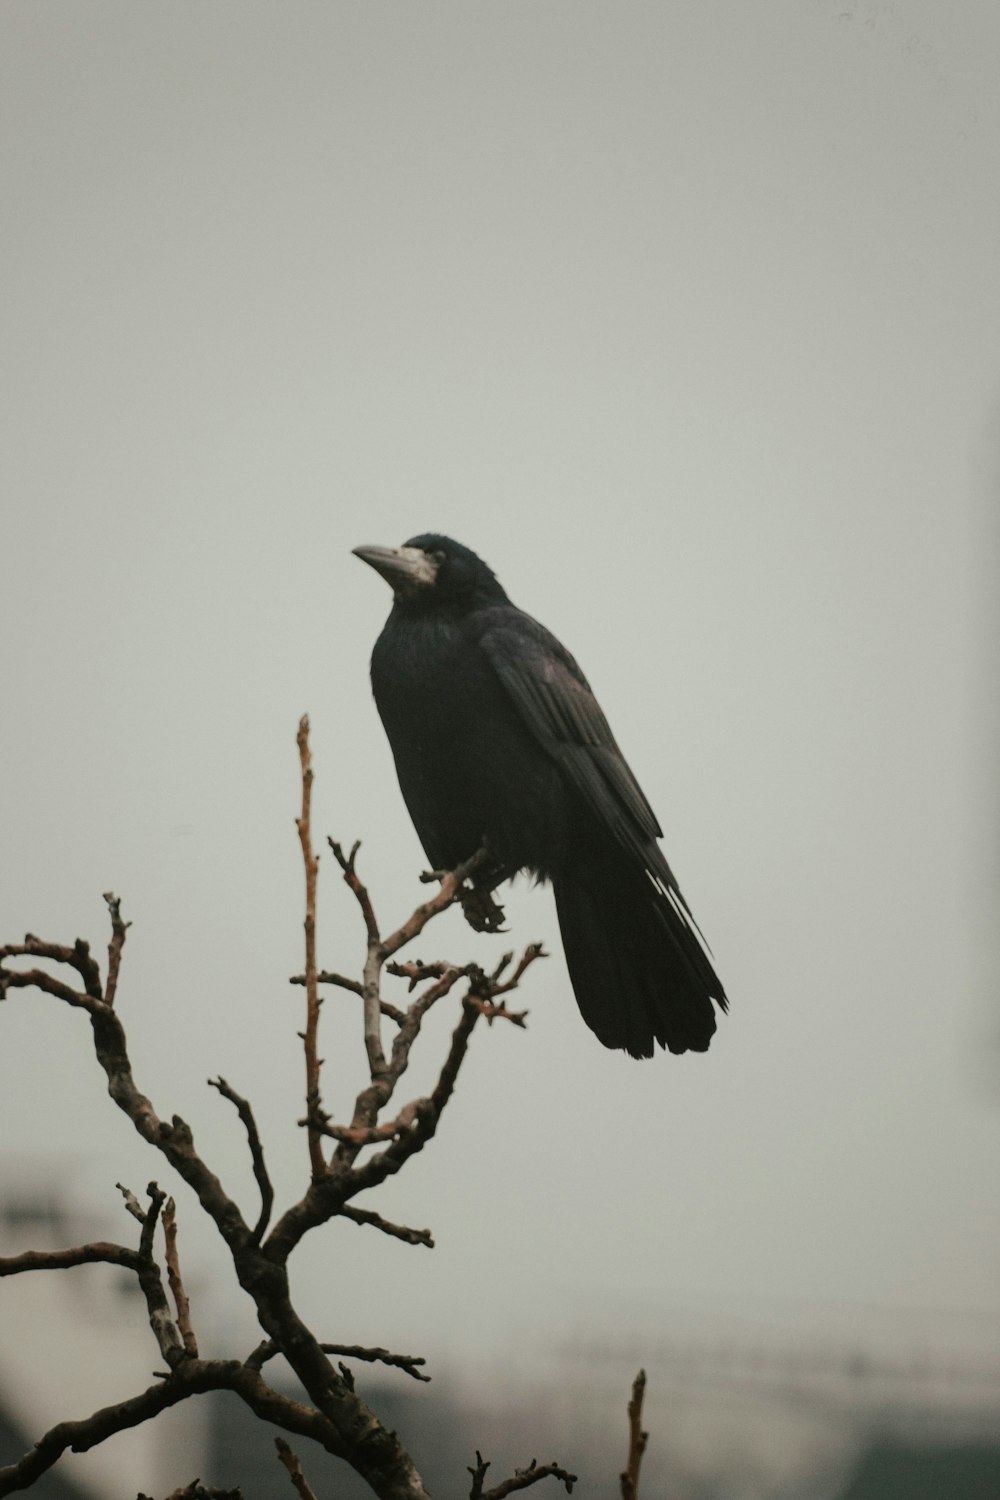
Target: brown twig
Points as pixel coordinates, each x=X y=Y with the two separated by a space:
x=521 y=1479
x=396 y=1231
x=451 y=883
x=347 y=864
x=380 y=949
x=38 y=979
x=177 y=1291
x=327 y=976
x=408 y=1363
x=491 y=1013
x=311 y=862
x=443 y=984
x=118 y=931
x=388 y=1130
x=62 y=1260
x=343 y=982
x=256 y=1154
x=500 y=986
x=157 y=1198
x=637 y=1439
x=373 y=961
x=132 y=1203
x=193 y=1377
x=78 y=957
x=164 y=1328
x=386 y=1074
x=294 y=1467
x=426 y=1117
x=416 y=971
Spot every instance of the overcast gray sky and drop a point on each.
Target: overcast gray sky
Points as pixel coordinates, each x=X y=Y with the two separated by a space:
x=686 y=317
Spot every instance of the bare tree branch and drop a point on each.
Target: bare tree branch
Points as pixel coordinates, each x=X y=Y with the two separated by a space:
x=311 y=863
x=380 y=1458
x=343 y=982
x=77 y=957
x=396 y=1231
x=294 y=1467
x=165 y=1331
x=256 y=1154
x=38 y=979
x=410 y=1363
x=347 y=863
x=62 y=1260
x=118 y=930
x=193 y=1377
x=521 y=1480
x=337 y=1418
x=177 y=1290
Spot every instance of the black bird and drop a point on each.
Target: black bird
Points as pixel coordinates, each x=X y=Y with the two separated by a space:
x=497 y=737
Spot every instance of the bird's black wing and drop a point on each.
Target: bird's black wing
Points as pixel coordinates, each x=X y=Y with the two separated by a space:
x=635 y=980
x=555 y=701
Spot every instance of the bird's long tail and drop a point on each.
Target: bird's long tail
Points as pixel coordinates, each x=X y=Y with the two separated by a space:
x=638 y=968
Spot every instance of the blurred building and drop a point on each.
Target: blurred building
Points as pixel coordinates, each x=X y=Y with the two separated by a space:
x=894 y=1470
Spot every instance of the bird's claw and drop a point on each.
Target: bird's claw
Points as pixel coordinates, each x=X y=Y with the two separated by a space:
x=481 y=911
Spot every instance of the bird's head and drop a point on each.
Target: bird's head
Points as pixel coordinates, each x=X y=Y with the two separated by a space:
x=433 y=571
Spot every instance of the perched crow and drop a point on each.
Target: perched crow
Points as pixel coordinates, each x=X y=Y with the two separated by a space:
x=498 y=738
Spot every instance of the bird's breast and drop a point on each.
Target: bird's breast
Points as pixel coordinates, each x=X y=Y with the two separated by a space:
x=468 y=766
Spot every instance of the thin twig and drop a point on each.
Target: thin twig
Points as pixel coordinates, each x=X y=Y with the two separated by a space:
x=370 y=1135
x=637 y=1439
x=118 y=930
x=77 y=957
x=62 y=1260
x=157 y=1198
x=491 y=1013
x=38 y=979
x=311 y=863
x=451 y=884
x=521 y=1480
x=256 y=1154
x=416 y=970
x=351 y=878
x=132 y=1203
x=397 y=1231
x=500 y=986
x=177 y=1291
x=191 y=1378
x=343 y=982
x=294 y=1467
x=408 y=1363
x=164 y=1328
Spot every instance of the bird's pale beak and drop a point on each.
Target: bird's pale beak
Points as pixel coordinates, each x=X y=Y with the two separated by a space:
x=404 y=569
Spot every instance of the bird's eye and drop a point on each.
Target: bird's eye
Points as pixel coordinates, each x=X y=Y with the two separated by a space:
x=439 y=558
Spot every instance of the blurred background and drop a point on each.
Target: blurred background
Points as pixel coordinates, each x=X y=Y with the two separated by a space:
x=687 y=319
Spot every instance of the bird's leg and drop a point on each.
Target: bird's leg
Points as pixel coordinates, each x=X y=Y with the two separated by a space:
x=475 y=894
x=482 y=913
